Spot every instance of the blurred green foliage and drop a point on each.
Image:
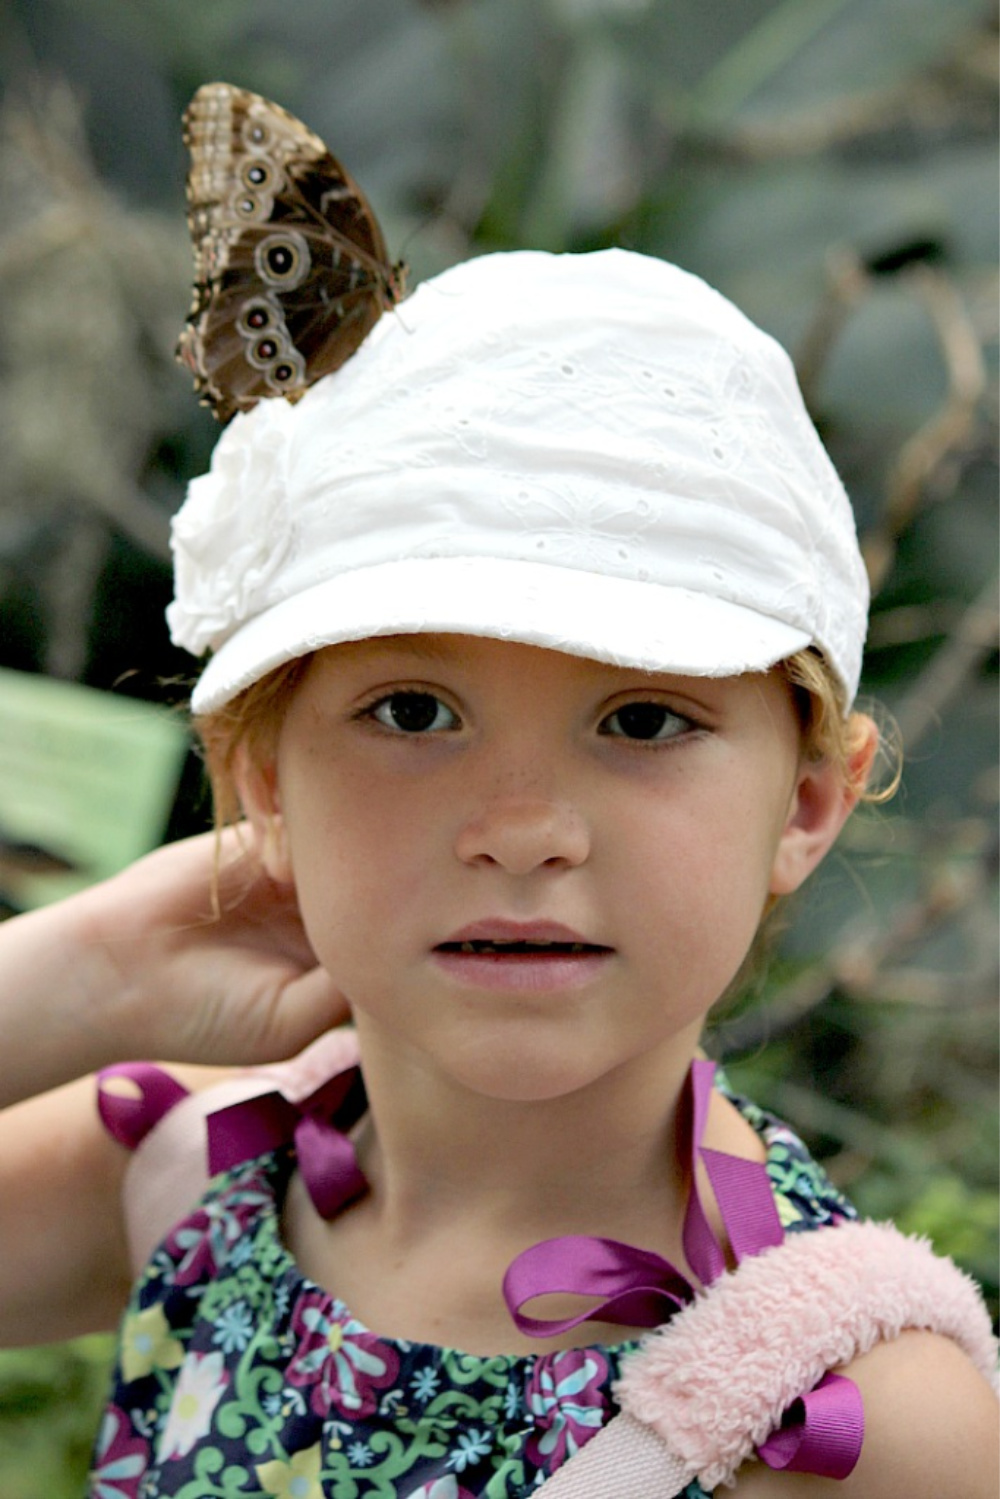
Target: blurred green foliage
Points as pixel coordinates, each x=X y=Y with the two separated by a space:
x=50 y=1405
x=831 y=165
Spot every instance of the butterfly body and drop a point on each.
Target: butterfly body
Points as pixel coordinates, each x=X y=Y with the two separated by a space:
x=291 y=268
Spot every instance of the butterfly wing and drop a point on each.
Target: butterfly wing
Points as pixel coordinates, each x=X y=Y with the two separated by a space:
x=291 y=269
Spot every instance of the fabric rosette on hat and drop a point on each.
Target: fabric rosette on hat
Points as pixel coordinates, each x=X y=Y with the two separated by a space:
x=234 y=531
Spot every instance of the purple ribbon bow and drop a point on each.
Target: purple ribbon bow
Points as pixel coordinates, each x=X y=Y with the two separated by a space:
x=315 y=1125
x=821 y=1432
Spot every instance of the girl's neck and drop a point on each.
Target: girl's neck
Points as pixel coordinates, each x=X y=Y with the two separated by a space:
x=461 y=1184
x=601 y=1160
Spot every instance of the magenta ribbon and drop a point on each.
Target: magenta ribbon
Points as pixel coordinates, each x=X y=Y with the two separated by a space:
x=635 y=1287
x=315 y=1125
x=255 y=1126
x=129 y=1118
x=821 y=1432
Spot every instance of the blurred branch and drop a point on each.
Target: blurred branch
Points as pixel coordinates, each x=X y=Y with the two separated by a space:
x=866 y=962
x=840 y=123
x=973 y=639
x=958 y=92
x=947 y=431
x=950 y=426
x=906 y=623
x=871 y=967
x=846 y=285
x=855 y=1130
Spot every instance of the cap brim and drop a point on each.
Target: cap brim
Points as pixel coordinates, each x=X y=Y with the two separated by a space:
x=622 y=621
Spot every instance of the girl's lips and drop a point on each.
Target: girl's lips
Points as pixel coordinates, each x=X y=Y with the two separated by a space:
x=520 y=957
x=506 y=929
x=523 y=972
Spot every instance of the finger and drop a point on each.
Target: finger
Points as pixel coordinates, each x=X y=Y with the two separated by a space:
x=305 y=1008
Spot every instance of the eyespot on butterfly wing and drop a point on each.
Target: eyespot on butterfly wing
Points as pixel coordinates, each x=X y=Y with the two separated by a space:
x=291 y=266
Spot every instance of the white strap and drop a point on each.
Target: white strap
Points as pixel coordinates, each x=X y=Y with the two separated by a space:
x=626 y=1460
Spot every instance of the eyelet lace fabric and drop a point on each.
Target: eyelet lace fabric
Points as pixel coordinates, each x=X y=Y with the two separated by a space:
x=655 y=456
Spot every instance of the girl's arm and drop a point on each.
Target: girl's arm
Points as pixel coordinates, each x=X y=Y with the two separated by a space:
x=932 y=1431
x=190 y=954
x=64 y=1264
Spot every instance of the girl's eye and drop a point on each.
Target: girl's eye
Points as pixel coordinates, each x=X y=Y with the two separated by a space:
x=645 y=721
x=413 y=713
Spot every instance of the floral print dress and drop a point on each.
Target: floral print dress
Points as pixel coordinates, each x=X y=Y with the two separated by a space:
x=238 y=1376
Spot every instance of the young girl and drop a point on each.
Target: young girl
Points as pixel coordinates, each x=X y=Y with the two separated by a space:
x=535 y=634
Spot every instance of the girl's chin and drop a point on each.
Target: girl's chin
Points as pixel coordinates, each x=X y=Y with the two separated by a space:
x=529 y=1074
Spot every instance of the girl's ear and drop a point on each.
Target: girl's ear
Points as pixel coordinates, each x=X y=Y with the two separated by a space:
x=824 y=796
x=258 y=791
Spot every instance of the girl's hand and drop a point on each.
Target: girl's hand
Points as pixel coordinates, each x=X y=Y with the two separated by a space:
x=191 y=954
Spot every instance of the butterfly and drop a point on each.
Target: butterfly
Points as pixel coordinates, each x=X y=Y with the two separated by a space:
x=291 y=267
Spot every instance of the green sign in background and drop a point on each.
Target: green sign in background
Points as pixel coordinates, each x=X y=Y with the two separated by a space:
x=85 y=776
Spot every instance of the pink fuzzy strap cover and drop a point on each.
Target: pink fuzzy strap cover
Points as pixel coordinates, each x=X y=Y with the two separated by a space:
x=715 y=1381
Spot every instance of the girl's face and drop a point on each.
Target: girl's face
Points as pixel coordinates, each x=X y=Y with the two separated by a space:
x=524 y=869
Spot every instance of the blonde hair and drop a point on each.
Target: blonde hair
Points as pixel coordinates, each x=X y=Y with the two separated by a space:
x=252 y=722
x=828 y=734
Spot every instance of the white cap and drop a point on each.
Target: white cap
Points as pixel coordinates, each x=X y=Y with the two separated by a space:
x=594 y=453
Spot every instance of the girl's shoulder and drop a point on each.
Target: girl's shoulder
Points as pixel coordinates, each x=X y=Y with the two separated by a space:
x=932 y=1430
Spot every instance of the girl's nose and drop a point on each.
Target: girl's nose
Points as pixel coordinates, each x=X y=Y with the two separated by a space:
x=523 y=835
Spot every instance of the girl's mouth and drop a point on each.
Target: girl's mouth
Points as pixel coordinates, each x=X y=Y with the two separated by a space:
x=521 y=965
x=528 y=948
